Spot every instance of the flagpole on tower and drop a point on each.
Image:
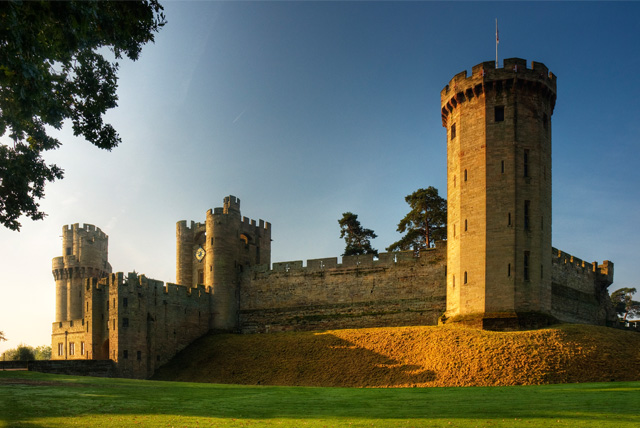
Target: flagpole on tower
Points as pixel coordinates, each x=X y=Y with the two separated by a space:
x=497 y=41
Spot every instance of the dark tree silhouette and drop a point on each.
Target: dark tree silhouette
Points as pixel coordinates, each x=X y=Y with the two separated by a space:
x=52 y=69
x=357 y=238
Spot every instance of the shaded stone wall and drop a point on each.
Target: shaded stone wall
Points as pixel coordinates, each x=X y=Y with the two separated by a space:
x=97 y=368
x=396 y=289
x=579 y=290
x=149 y=322
x=139 y=323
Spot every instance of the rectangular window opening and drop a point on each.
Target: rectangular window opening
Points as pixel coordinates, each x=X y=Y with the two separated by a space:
x=139 y=355
x=125 y=302
x=502 y=167
x=526 y=163
x=509 y=269
x=453 y=131
x=125 y=354
x=465 y=277
x=526 y=266
x=527 y=207
x=499 y=113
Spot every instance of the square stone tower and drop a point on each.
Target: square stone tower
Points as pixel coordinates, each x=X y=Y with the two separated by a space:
x=498 y=124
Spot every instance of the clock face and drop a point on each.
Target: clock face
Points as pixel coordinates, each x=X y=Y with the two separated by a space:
x=200 y=254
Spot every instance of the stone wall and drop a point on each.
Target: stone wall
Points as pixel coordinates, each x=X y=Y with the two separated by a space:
x=68 y=340
x=395 y=289
x=97 y=368
x=579 y=290
x=137 y=322
x=149 y=322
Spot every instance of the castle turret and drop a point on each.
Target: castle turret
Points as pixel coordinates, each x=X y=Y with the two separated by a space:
x=184 y=253
x=85 y=252
x=217 y=252
x=499 y=193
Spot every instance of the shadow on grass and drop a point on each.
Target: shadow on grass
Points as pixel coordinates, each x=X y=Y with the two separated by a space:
x=25 y=398
x=301 y=358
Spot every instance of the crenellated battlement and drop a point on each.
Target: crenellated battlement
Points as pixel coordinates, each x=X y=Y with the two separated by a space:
x=485 y=77
x=603 y=272
x=84 y=229
x=366 y=261
x=183 y=227
x=133 y=281
x=232 y=207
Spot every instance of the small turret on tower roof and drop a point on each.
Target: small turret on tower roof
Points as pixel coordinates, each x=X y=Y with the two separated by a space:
x=231 y=205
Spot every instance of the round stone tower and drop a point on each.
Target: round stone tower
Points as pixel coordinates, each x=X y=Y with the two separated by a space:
x=499 y=194
x=85 y=252
x=217 y=253
x=223 y=262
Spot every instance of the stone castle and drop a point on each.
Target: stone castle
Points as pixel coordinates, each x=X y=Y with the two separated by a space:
x=496 y=270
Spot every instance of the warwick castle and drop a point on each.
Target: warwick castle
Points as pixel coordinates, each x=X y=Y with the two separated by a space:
x=496 y=270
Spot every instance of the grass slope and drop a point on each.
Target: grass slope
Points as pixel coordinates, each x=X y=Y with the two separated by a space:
x=411 y=356
x=29 y=399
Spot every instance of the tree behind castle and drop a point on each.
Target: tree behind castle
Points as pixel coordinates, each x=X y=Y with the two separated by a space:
x=425 y=223
x=357 y=238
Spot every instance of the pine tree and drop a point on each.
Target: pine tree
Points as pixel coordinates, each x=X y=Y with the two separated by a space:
x=425 y=223
x=357 y=238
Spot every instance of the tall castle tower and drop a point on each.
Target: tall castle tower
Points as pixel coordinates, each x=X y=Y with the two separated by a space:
x=499 y=193
x=215 y=253
x=85 y=252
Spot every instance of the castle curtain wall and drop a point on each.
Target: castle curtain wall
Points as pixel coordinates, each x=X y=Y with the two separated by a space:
x=397 y=289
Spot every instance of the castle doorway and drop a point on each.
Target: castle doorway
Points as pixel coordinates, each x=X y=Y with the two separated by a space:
x=104 y=351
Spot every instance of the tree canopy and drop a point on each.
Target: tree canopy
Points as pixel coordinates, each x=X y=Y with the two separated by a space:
x=27 y=353
x=425 y=223
x=624 y=304
x=357 y=238
x=52 y=69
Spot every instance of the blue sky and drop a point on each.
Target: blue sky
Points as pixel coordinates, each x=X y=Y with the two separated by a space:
x=306 y=110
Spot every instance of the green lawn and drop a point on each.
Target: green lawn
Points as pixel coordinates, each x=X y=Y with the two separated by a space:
x=31 y=399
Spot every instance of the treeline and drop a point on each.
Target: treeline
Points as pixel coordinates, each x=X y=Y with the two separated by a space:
x=27 y=353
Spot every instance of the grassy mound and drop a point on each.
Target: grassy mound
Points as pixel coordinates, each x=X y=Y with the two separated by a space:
x=411 y=356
